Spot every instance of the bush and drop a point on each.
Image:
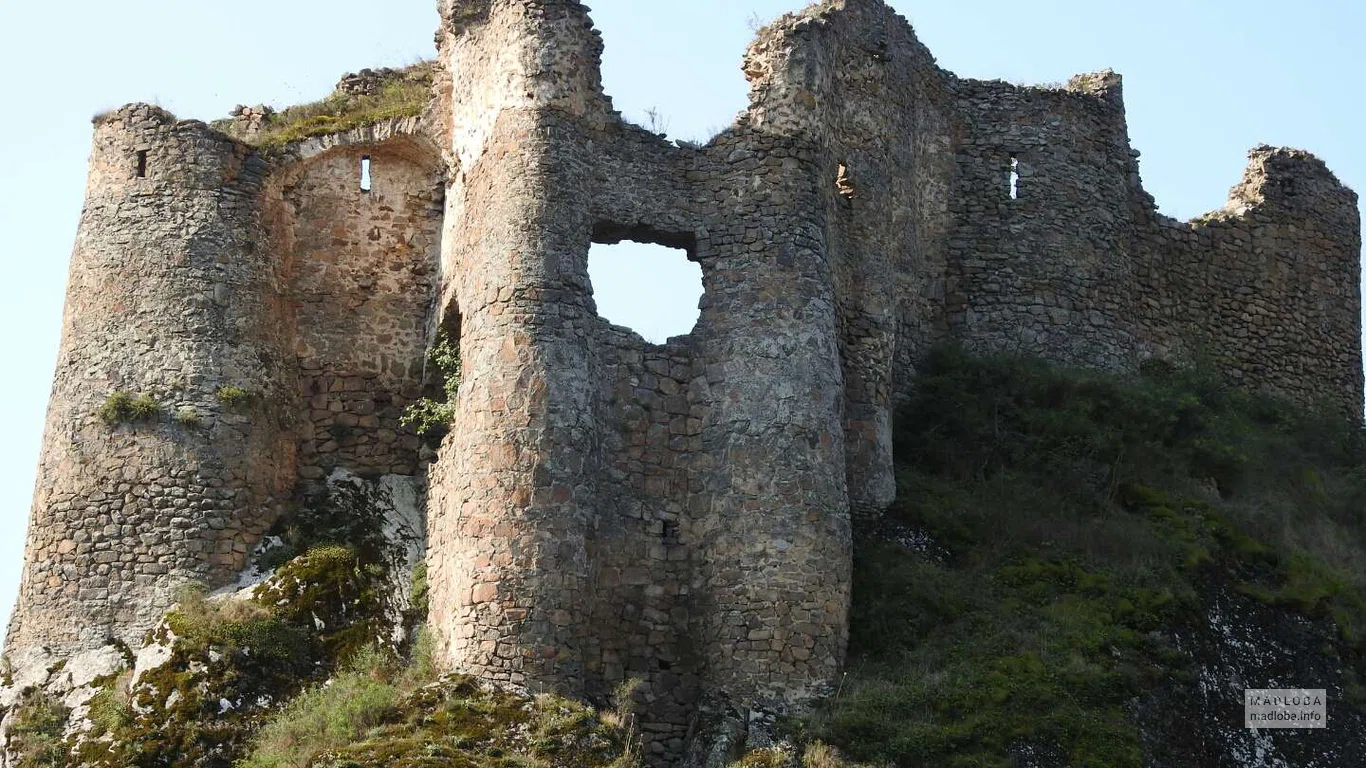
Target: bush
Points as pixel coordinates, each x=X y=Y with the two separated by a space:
x=377 y=712
x=419 y=595
x=330 y=716
x=428 y=416
x=128 y=408
x=36 y=728
x=349 y=513
x=330 y=588
x=112 y=708
x=1082 y=520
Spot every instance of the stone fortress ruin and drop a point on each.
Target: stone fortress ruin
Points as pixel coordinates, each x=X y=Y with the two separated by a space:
x=603 y=508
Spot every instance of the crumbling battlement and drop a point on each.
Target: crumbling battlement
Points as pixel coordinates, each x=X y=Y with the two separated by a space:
x=604 y=508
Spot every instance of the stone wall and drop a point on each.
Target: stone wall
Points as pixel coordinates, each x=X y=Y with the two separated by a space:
x=201 y=264
x=171 y=293
x=1267 y=289
x=609 y=508
x=362 y=279
x=604 y=508
x=1049 y=272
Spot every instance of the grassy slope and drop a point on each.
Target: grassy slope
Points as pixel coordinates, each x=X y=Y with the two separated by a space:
x=1081 y=524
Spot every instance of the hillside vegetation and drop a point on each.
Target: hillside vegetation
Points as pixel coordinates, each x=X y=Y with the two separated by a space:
x=1086 y=570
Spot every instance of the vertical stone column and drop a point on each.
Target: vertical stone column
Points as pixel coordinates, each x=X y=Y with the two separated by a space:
x=774 y=559
x=171 y=295
x=774 y=548
x=513 y=495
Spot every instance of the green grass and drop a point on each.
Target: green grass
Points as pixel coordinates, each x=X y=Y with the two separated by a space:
x=318 y=614
x=401 y=97
x=128 y=408
x=379 y=713
x=332 y=716
x=234 y=397
x=36 y=729
x=1083 y=518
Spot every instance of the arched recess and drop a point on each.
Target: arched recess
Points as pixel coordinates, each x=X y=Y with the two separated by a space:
x=359 y=271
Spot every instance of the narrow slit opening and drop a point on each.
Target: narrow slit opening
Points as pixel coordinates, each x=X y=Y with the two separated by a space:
x=365 y=173
x=1014 y=178
x=142 y=163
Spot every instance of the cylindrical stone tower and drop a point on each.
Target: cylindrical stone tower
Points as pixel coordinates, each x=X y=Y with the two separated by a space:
x=512 y=499
x=172 y=297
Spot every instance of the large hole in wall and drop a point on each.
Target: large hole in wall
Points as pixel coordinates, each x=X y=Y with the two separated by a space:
x=646 y=281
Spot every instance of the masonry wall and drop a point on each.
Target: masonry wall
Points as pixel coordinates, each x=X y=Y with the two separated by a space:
x=512 y=494
x=171 y=293
x=1266 y=290
x=604 y=508
x=851 y=82
x=362 y=274
x=1051 y=272
x=680 y=513
x=608 y=509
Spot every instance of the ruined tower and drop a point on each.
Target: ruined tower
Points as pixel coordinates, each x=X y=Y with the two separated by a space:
x=604 y=508
x=171 y=293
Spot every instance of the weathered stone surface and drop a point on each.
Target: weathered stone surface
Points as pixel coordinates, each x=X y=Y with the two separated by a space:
x=604 y=508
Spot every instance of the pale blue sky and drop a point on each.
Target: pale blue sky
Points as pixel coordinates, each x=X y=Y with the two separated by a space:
x=1204 y=81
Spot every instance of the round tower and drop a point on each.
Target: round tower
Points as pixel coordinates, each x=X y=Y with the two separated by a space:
x=165 y=454
x=513 y=498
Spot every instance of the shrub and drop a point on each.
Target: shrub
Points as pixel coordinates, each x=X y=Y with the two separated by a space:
x=418 y=603
x=128 y=408
x=766 y=757
x=112 y=708
x=36 y=728
x=332 y=589
x=1082 y=520
x=230 y=661
x=377 y=712
x=349 y=513
x=428 y=416
x=330 y=716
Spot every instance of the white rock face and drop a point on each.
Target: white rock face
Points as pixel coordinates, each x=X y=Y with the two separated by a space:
x=405 y=531
x=84 y=668
x=28 y=667
x=153 y=655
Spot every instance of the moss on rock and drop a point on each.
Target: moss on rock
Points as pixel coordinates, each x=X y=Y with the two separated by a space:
x=332 y=590
x=36 y=728
x=395 y=93
x=232 y=663
x=456 y=723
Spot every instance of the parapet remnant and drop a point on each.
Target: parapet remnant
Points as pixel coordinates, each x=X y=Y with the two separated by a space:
x=603 y=508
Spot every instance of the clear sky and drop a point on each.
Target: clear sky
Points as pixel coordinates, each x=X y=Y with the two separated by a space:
x=1204 y=82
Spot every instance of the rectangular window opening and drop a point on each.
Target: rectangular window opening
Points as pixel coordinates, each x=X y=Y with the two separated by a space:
x=1014 y=178
x=142 y=163
x=365 y=173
